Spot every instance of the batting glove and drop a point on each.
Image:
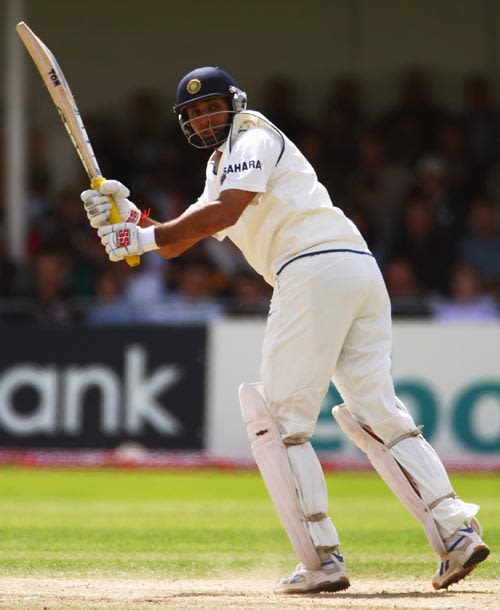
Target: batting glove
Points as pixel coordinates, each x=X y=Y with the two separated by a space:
x=126 y=239
x=98 y=205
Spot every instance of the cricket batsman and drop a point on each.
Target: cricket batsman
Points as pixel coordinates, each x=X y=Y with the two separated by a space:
x=329 y=320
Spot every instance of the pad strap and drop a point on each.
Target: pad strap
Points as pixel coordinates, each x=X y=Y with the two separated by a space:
x=398 y=439
x=390 y=471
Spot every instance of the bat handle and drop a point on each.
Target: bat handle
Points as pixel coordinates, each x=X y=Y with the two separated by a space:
x=115 y=218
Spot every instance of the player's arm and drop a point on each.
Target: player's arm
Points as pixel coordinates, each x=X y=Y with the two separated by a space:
x=169 y=239
x=199 y=221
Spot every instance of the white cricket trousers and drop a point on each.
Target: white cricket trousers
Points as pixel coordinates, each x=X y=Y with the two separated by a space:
x=329 y=318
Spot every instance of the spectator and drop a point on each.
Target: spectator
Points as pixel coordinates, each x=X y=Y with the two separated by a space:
x=166 y=195
x=466 y=301
x=428 y=248
x=407 y=297
x=279 y=105
x=250 y=295
x=144 y=132
x=453 y=149
x=312 y=144
x=366 y=226
x=410 y=127
x=111 y=306
x=480 y=245
x=341 y=126
x=38 y=175
x=481 y=120
x=346 y=96
x=8 y=270
x=492 y=186
x=433 y=186
x=224 y=256
x=192 y=301
x=47 y=284
x=379 y=186
x=108 y=134
x=65 y=229
x=147 y=284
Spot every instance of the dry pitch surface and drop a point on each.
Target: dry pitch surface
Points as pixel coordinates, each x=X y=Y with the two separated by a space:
x=238 y=594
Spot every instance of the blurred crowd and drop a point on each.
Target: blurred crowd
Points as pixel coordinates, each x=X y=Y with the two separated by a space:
x=421 y=182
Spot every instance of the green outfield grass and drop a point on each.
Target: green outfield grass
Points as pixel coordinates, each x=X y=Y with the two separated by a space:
x=205 y=524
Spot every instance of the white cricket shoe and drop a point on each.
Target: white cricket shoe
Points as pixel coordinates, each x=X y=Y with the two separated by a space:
x=465 y=551
x=332 y=577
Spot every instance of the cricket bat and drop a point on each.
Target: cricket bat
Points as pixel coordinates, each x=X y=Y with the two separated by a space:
x=64 y=101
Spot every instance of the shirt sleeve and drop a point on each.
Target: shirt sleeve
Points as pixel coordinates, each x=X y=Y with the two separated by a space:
x=203 y=198
x=251 y=161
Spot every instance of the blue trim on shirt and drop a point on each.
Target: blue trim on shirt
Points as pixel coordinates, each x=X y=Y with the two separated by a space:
x=321 y=252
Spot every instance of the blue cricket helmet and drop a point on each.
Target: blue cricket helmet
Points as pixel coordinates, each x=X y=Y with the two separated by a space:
x=205 y=83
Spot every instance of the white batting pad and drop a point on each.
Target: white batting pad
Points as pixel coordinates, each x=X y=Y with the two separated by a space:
x=313 y=498
x=450 y=513
x=272 y=461
x=388 y=468
x=425 y=468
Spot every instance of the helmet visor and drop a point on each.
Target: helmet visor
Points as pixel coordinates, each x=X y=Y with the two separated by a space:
x=203 y=128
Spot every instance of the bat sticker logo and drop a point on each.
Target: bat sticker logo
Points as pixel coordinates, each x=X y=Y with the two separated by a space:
x=54 y=78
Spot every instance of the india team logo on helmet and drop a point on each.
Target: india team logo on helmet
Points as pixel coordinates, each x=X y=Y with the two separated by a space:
x=203 y=84
x=193 y=86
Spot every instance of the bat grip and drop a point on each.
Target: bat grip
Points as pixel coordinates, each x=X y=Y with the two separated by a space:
x=115 y=218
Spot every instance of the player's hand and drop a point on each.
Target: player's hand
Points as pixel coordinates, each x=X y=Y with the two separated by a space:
x=126 y=239
x=98 y=205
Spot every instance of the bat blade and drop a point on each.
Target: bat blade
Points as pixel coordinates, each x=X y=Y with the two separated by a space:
x=64 y=101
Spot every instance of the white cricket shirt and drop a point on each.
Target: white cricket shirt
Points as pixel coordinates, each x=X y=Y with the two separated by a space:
x=292 y=212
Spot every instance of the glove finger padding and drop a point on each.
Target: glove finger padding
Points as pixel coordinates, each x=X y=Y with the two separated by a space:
x=97 y=207
x=113 y=257
x=95 y=200
x=98 y=204
x=88 y=194
x=114 y=188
